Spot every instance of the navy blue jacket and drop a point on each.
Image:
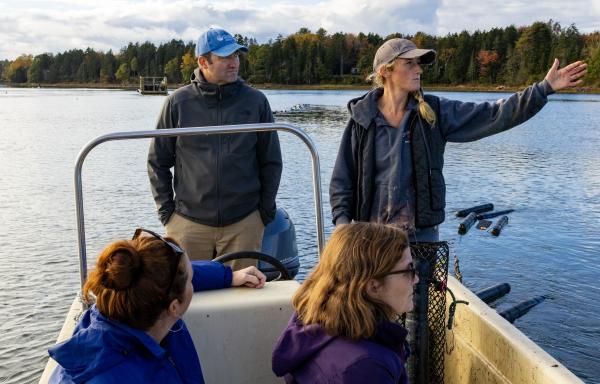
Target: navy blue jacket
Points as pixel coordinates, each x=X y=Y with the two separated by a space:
x=353 y=178
x=309 y=355
x=105 y=351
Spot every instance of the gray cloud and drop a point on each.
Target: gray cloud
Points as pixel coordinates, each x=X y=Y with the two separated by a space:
x=239 y=15
x=457 y=15
x=177 y=26
x=132 y=22
x=35 y=27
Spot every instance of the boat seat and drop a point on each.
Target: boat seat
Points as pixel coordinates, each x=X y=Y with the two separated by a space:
x=234 y=331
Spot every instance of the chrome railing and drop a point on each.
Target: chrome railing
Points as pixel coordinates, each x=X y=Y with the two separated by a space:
x=192 y=131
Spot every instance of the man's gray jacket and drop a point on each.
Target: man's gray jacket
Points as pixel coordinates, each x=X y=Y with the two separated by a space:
x=217 y=179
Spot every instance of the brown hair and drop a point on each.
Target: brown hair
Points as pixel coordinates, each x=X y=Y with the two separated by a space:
x=335 y=294
x=131 y=279
x=208 y=57
x=425 y=110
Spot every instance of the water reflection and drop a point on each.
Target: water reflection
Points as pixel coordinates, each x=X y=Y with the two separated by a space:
x=547 y=170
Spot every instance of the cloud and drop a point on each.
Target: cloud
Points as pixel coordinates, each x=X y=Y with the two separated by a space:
x=35 y=27
x=456 y=15
x=379 y=16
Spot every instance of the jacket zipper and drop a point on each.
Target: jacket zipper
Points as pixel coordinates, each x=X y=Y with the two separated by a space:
x=359 y=163
x=411 y=127
x=219 y=98
x=428 y=152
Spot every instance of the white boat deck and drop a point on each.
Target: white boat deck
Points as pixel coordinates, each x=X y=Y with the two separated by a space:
x=235 y=329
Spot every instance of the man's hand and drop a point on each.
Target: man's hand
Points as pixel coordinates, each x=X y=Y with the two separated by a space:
x=567 y=77
x=250 y=277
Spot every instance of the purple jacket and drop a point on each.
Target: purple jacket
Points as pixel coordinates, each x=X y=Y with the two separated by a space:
x=309 y=355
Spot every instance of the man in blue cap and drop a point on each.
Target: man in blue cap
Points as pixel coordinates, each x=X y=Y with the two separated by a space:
x=222 y=190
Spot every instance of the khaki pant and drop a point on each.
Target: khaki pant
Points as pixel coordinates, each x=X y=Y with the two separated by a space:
x=203 y=242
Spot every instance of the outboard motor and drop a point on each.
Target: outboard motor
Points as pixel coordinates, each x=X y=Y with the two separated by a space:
x=279 y=241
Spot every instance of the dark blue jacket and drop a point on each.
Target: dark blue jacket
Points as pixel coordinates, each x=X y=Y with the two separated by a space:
x=105 y=351
x=353 y=178
x=309 y=355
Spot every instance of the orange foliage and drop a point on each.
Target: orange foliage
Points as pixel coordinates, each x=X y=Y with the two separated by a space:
x=485 y=58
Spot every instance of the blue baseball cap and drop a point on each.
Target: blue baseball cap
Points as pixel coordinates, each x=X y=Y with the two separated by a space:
x=219 y=42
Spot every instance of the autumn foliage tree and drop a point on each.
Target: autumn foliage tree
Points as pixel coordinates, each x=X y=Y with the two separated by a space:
x=488 y=61
x=16 y=71
x=188 y=65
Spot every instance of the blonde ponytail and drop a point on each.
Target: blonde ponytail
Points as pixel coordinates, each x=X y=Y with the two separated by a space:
x=424 y=109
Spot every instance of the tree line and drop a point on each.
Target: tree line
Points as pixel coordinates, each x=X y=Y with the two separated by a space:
x=500 y=56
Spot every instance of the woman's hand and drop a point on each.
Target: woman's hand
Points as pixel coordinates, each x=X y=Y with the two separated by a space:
x=567 y=77
x=250 y=277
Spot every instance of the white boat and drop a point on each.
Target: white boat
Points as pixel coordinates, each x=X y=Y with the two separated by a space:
x=234 y=330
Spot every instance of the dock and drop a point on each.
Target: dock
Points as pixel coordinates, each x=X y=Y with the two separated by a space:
x=151 y=85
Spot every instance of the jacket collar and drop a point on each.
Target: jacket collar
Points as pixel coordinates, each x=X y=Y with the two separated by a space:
x=99 y=343
x=364 y=109
x=214 y=93
x=298 y=343
x=137 y=336
x=393 y=336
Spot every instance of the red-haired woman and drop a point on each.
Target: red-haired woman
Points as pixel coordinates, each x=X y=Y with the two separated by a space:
x=134 y=332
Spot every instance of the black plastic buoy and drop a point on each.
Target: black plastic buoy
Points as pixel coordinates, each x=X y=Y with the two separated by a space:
x=467 y=223
x=484 y=224
x=497 y=228
x=494 y=292
x=520 y=309
x=476 y=209
x=494 y=214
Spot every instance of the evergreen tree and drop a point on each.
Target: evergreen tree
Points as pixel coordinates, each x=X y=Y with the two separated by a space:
x=173 y=71
x=107 y=68
x=38 y=72
x=533 y=52
x=592 y=49
x=567 y=44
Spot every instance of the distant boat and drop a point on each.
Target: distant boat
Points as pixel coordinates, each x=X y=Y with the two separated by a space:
x=151 y=85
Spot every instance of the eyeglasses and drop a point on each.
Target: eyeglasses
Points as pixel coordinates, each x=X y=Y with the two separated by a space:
x=411 y=271
x=177 y=251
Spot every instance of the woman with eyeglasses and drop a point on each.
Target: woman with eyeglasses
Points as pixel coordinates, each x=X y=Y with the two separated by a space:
x=133 y=332
x=389 y=165
x=344 y=329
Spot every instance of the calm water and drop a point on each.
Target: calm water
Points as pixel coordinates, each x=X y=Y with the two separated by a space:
x=548 y=170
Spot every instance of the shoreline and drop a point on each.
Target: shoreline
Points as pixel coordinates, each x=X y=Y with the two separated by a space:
x=426 y=87
x=309 y=87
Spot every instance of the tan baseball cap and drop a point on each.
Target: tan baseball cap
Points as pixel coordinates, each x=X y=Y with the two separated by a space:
x=404 y=49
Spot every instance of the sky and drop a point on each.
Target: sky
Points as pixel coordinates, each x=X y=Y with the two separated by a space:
x=35 y=27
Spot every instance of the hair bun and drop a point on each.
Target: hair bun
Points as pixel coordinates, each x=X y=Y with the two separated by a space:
x=121 y=269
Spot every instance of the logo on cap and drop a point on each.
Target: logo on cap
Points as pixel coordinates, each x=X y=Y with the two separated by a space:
x=219 y=42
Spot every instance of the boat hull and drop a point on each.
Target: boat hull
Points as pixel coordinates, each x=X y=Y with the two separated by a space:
x=234 y=331
x=489 y=349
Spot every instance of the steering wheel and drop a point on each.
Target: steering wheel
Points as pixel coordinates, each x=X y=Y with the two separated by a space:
x=283 y=272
